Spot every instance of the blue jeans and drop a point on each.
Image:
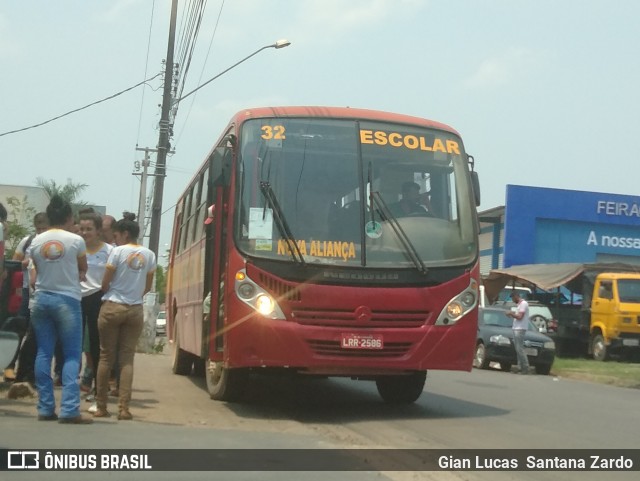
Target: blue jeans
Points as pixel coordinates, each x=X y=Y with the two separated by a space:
x=518 y=342
x=57 y=317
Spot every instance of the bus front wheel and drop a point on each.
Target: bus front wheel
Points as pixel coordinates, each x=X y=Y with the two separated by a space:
x=401 y=389
x=224 y=384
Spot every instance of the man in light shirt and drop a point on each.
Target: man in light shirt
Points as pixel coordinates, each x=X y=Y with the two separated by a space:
x=520 y=326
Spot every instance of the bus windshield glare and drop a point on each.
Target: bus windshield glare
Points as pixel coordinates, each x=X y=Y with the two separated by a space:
x=354 y=193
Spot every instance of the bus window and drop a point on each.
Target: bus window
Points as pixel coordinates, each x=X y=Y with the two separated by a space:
x=317 y=170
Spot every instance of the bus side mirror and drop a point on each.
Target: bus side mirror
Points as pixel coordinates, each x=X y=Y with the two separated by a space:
x=475 y=184
x=221 y=167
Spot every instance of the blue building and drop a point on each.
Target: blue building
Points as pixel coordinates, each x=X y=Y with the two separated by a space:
x=544 y=226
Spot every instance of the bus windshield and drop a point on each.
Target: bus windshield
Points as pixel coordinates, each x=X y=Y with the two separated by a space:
x=353 y=193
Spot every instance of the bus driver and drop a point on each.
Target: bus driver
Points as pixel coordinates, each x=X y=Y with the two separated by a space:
x=413 y=203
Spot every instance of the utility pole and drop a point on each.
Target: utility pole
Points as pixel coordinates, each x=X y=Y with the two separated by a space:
x=163 y=141
x=142 y=202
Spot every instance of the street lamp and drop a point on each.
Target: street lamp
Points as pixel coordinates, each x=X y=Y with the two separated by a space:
x=279 y=44
x=163 y=141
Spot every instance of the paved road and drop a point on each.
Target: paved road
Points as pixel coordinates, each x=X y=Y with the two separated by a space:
x=481 y=409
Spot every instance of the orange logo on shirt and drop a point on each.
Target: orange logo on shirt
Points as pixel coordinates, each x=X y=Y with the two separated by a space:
x=136 y=261
x=52 y=250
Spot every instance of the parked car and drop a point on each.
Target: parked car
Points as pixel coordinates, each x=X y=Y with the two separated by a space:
x=161 y=323
x=505 y=293
x=541 y=317
x=494 y=343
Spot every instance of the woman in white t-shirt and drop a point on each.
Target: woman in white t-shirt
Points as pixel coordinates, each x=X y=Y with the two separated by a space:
x=60 y=261
x=128 y=277
x=97 y=254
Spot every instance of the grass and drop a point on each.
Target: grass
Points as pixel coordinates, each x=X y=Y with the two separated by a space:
x=615 y=373
x=158 y=347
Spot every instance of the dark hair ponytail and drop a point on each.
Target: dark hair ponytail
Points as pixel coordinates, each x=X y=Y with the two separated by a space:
x=128 y=224
x=58 y=210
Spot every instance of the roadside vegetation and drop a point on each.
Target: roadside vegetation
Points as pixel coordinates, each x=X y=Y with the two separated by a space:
x=615 y=373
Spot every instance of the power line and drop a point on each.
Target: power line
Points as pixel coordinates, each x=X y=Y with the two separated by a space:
x=186 y=119
x=146 y=66
x=81 y=108
x=190 y=37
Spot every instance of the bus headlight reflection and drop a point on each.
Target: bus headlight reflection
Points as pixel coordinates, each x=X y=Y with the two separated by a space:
x=256 y=297
x=264 y=304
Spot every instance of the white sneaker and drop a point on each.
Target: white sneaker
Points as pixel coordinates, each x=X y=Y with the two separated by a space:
x=93 y=408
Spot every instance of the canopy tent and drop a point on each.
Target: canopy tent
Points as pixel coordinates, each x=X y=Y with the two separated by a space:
x=550 y=276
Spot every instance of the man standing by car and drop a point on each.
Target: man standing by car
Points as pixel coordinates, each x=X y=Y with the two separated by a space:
x=520 y=326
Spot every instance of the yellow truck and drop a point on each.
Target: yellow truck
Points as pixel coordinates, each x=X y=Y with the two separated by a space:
x=615 y=314
x=605 y=323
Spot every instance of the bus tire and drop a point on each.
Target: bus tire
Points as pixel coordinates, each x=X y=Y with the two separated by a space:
x=224 y=384
x=401 y=389
x=182 y=360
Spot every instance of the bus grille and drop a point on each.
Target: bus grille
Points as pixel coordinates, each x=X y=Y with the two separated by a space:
x=332 y=348
x=320 y=317
x=280 y=290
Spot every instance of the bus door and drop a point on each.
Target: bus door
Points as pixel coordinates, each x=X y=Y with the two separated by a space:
x=215 y=250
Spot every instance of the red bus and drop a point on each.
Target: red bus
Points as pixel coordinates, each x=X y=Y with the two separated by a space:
x=292 y=227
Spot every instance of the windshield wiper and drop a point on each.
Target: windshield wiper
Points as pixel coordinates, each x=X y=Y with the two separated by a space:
x=409 y=248
x=281 y=222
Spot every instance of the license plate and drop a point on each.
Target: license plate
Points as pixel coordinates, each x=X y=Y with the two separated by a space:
x=530 y=351
x=631 y=342
x=359 y=341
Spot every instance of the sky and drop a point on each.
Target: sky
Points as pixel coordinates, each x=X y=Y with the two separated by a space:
x=543 y=93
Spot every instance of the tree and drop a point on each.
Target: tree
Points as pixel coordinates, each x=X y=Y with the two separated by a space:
x=161 y=284
x=18 y=210
x=69 y=191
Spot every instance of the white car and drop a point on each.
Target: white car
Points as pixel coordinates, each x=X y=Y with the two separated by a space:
x=161 y=323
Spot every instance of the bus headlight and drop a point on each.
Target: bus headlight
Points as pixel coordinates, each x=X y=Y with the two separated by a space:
x=264 y=304
x=454 y=309
x=459 y=306
x=256 y=297
x=246 y=290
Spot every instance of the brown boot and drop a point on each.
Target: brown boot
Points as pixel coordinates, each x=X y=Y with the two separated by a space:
x=125 y=415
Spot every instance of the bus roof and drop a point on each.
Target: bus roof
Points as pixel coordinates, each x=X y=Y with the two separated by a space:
x=337 y=112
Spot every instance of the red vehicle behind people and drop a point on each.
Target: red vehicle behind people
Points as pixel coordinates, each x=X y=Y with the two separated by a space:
x=12 y=325
x=286 y=229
